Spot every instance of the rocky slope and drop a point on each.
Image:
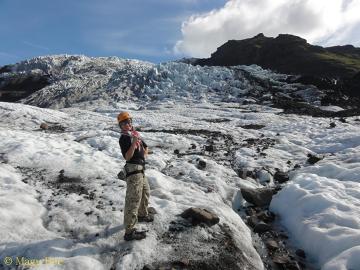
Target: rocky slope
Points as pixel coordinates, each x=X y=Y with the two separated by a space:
x=293 y=55
x=287 y=54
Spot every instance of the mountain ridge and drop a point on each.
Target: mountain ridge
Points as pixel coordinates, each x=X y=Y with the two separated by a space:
x=287 y=54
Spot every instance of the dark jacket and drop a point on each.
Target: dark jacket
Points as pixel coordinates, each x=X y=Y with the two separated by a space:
x=138 y=157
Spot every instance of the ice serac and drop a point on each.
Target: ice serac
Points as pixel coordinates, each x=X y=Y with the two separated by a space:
x=82 y=81
x=69 y=79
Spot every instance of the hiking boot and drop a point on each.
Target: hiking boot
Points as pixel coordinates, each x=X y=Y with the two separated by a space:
x=148 y=218
x=134 y=235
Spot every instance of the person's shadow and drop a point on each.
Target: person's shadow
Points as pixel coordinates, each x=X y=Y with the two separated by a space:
x=64 y=247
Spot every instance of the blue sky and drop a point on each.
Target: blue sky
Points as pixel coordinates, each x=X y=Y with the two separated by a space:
x=162 y=30
x=145 y=30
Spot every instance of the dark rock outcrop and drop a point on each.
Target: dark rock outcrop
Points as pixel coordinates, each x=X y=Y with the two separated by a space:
x=312 y=159
x=5 y=69
x=200 y=215
x=201 y=164
x=287 y=54
x=338 y=85
x=262 y=227
x=290 y=106
x=17 y=86
x=281 y=177
x=334 y=68
x=54 y=128
x=258 y=197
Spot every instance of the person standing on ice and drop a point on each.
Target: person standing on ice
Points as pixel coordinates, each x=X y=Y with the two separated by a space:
x=134 y=150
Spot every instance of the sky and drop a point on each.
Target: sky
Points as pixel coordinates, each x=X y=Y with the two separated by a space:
x=163 y=30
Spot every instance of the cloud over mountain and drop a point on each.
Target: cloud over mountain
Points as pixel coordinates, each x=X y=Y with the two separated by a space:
x=319 y=21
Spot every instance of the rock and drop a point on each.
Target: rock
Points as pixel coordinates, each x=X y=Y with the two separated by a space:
x=252 y=221
x=65 y=179
x=6 y=68
x=332 y=125
x=342 y=120
x=306 y=59
x=184 y=262
x=44 y=126
x=209 y=190
x=121 y=175
x=88 y=213
x=300 y=253
x=201 y=164
x=176 y=151
x=258 y=197
x=18 y=85
x=313 y=159
x=148 y=267
x=250 y=211
x=261 y=227
x=271 y=244
x=200 y=215
x=281 y=177
x=209 y=148
x=281 y=259
x=293 y=266
x=152 y=210
x=266 y=216
x=3 y=158
x=92 y=195
x=253 y=126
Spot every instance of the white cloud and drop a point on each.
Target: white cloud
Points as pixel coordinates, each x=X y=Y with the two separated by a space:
x=327 y=22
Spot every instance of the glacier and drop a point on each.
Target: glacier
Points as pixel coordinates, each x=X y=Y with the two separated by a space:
x=178 y=108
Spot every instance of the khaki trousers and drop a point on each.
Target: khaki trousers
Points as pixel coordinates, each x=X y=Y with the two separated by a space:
x=137 y=197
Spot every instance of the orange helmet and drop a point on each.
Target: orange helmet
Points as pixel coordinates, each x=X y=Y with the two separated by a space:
x=123 y=116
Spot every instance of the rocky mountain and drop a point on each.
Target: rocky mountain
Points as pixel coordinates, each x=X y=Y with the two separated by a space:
x=337 y=67
x=287 y=54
